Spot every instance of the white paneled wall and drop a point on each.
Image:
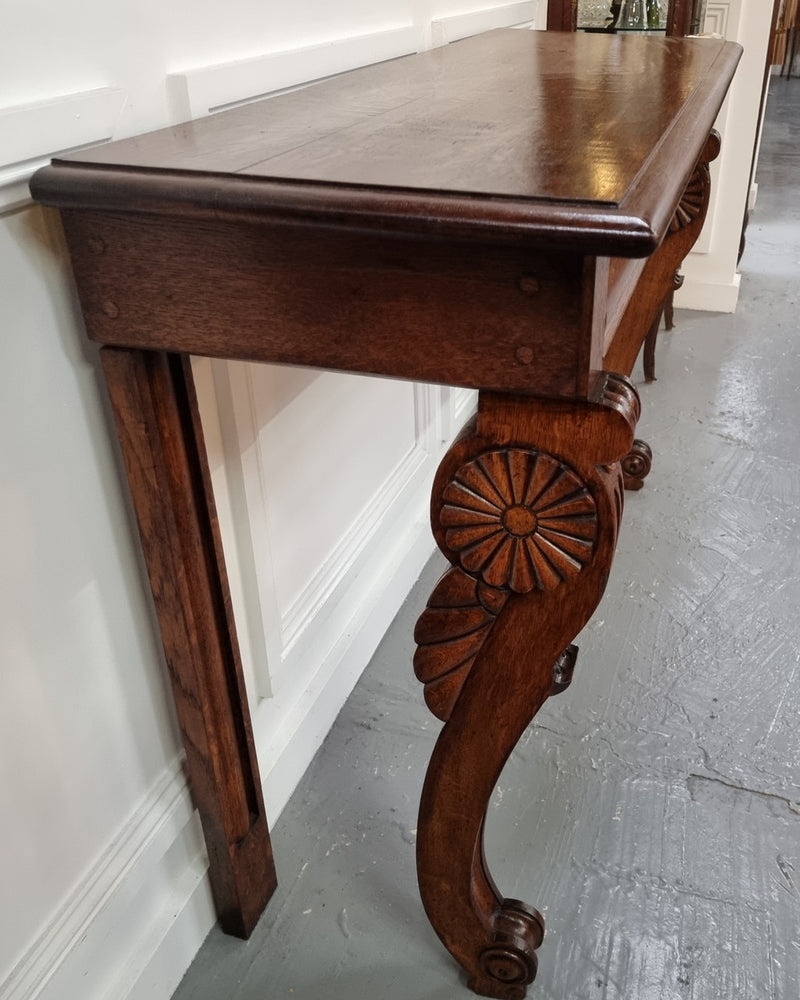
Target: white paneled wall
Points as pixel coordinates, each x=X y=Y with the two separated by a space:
x=710 y=271
x=324 y=482
x=102 y=864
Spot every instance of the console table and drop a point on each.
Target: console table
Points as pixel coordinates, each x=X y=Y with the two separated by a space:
x=505 y=213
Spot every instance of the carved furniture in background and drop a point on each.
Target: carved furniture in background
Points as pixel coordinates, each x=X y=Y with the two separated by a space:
x=683 y=17
x=786 y=36
x=502 y=214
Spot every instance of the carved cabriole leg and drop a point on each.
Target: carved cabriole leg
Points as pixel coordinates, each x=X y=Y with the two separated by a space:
x=526 y=506
x=657 y=283
x=155 y=409
x=658 y=277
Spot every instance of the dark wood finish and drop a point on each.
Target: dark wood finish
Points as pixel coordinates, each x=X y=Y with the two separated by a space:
x=155 y=409
x=657 y=277
x=481 y=300
x=783 y=35
x=684 y=17
x=503 y=213
x=667 y=313
x=636 y=465
x=562 y=15
x=526 y=505
x=432 y=145
x=649 y=350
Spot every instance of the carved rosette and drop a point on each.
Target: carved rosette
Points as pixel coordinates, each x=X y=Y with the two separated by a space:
x=519 y=520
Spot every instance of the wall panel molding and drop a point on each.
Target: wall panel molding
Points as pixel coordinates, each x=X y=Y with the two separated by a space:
x=341 y=562
x=717 y=14
x=288 y=734
x=311 y=652
x=30 y=134
x=287 y=641
x=200 y=91
x=450 y=29
x=711 y=270
x=363 y=532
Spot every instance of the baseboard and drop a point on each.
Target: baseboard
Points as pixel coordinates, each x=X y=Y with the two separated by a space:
x=148 y=886
x=174 y=944
x=707 y=296
x=193 y=911
x=131 y=928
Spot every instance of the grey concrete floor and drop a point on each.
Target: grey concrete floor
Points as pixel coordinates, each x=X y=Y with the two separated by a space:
x=653 y=810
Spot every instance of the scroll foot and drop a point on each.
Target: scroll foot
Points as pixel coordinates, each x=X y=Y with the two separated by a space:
x=636 y=465
x=508 y=965
x=563 y=669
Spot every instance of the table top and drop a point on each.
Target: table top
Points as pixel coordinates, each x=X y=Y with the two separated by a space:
x=579 y=139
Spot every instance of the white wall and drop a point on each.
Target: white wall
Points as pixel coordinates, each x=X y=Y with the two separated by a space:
x=710 y=271
x=102 y=867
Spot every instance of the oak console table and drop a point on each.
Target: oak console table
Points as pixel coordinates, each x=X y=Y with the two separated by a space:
x=505 y=213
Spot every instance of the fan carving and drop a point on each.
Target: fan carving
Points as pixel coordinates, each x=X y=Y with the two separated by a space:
x=692 y=201
x=450 y=633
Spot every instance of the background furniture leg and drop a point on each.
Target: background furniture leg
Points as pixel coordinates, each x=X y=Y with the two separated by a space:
x=649 y=350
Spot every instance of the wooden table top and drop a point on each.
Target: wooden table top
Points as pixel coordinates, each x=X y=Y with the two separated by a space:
x=582 y=139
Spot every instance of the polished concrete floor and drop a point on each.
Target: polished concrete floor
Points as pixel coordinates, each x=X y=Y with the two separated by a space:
x=653 y=810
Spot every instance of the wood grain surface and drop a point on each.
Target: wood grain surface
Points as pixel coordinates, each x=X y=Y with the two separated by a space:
x=158 y=423
x=533 y=135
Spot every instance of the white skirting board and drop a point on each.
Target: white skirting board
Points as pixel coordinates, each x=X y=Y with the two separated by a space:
x=708 y=296
x=131 y=928
x=153 y=871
